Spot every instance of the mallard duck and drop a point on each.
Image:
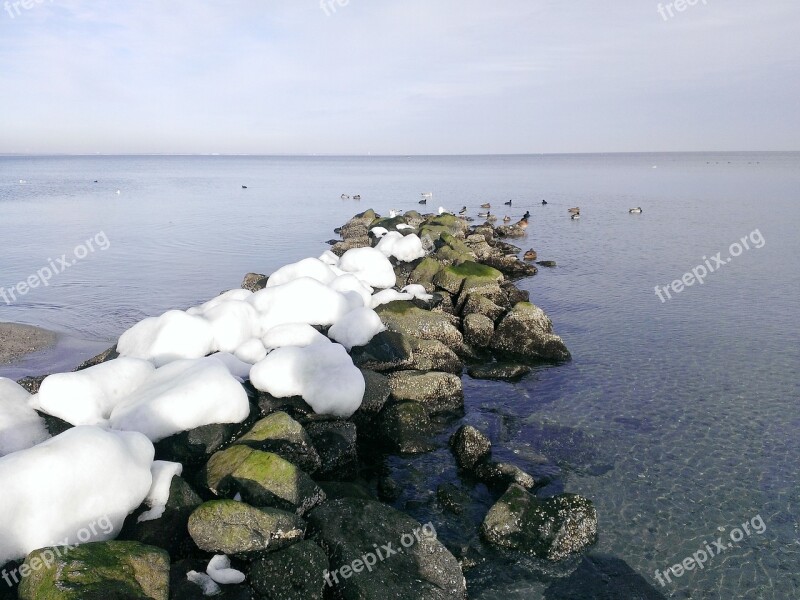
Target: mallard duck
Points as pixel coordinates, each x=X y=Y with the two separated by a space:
x=484 y=215
x=523 y=223
x=575 y=216
x=636 y=210
x=506 y=219
x=574 y=211
x=491 y=218
x=463 y=211
x=487 y=205
x=357 y=197
x=344 y=197
x=530 y=254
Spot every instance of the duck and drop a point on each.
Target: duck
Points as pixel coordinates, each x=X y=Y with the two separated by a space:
x=357 y=197
x=506 y=219
x=527 y=215
x=522 y=223
x=636 y=210
x=463 y=211
x=575 y=210
x=486 y=214
x=423 y=201
x=508 y=203
x=344 y=197
x=544 y=202
x=487 y=205
x=244 y=187
x=530 y=255
x=491 y=218
x=575 y=216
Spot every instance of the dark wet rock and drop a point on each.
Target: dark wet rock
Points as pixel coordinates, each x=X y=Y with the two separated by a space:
x=336 y=442
x=104 y=356
x=425 y=271
x=478 y=330
x=510 y=231
x=295 y=573
x=386 y=351
x=552 y=529
x=262 y=479
x=254 y=282
x=546 y=263
x=481 y=305
x=433 y=355
x=32 y=384
x=169 y=530
x=469 y=446
x=451 y=279
x=510 y=266
x=435 y=391
x=527 y=331
x=402 y=271
x=424 y=570
x=501 y=475
x=405 y=427
x=95 y=571
x=452 y=498
x=403 y=317
x=376 y=393
x=388 y=489
x=55 y=426
x=477 y=287
x=514 y=294
x=230 y=527
x=601 y=577
x=280 y=434
x=432 y=303
x=180 y=588
x=346 y=489
x=499 y=371
x=193 y=448
x=294 y=406
x=348 y=244
x=505 y=248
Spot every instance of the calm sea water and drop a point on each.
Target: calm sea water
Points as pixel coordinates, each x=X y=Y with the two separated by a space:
x=680 y=420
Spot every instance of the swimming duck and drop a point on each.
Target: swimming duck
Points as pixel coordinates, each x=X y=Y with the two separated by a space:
x=636 y=210
x=530 y=254
x=575 y=210
x=506 y=219
x=357 y=197
x=423 y=201
x=575 y=216
x=523 y=223
x=491 y=218
x=344 y=197
x=487 y=205
x=527 y=215
x=486 y=214
x=508 y=203
x=544 y=202
x=244 y=187
x=463 y=211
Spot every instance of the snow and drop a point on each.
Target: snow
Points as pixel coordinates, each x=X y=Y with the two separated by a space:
x=76 y=487
x=386 y=296
x=329 y=258
x=323 y=374
x=219 y=569
x=356 y=328
x=417 y=291
x=304 y=300
x=20 y=426
x=237 y=294
x=370 y=266
x=292 y=334
x=308 y=267
x=183 y=395
x=207 y=585
x=233 y=322
x=350 y=283
x=403 y=227
x=87 y=397
x=379 y=232
x=236 y=367
x=172 y=336
x=251 y=351
x=404 y=248
x=158 y=496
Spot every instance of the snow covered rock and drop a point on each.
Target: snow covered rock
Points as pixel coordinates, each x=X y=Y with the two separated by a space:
x=97 y=477
x=20 y=426
x=303 y=300
x=404 y=248
x=292 y=334
x=172 y=336
x=308 y=267
x=183 y=395
x=323 y=374
x=356 y=328
x=370 y=265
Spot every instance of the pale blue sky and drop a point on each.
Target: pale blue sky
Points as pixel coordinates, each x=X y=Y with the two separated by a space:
x=397 y=77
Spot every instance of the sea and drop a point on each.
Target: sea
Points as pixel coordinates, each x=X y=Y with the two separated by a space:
x=679 y=414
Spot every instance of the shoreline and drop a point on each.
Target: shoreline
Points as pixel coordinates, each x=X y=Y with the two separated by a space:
x=20 y=341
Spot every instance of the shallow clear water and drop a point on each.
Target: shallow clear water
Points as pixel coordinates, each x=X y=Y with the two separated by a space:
x=675 y=418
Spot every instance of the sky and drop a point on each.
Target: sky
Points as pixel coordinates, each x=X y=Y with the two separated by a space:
x=398 y=77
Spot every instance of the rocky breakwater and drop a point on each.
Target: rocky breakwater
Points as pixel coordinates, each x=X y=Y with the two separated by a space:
x=223 y=450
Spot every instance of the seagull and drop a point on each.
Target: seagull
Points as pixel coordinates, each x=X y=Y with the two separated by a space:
x=636 y=210
x=442 y=210
x=118 y=192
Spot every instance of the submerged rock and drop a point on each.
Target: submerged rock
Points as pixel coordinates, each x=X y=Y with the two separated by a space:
x=336 y=443
x=282 y=435
x=469 y=446
x=295 y=573
x=601 y=577
x=552 y=529
x=501 y=475
x=546 y=263
x=452 y=498
x=99 y=570
x=412 y=562
x=527 y=331
x=499 y=371
x=405 y=427
x=230 y=527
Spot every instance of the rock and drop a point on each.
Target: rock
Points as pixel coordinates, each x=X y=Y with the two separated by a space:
x=402 y=271
x=527 y=331
x=481 y=305
x=501 y=475
x=512 y=231
x=552 y=529
x=435 y=226
x=469 y=446
x=280 y=434
x=356 y=242
x=99 y=570
x=386 y=351
x=412 y=563
x=262 y=479
x=452 y=498
x=490 y=290
x=505 y=248
x=514 y=294
x=376 y=393
x=336 y=443
x=600 y=577
x=499 y=371
x=354 y=229
x=388 y=489
x=389 y=223
x=254 y=282
x=180 y=588
x=105 y=356
x=436 y=391
x=295 y=573
x=403 y=317
x=510 y=266
x=425 y=271
x=405 y=427
x=31 y=384
x=433 y=355
x=169 y=530
x=346 y=489
x=547 y=263
x=230 y=527
x=478 y=330
x=452 y=278
x=55 y=426
x=294 y=406
x=193 y=448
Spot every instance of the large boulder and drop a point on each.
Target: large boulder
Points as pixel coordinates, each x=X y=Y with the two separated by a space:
x=96 y=571
x=527 y=331
x=336 y=442
x=469 y=446
x=295 y=573
x=551 y=529
x=262 y=479
x=379 y=553
x=281 y=434
x=436 y=391
x=192 y=448
x=478 y=330
x=433 y=355
x=406 y=427
x=403 y=317
x=230 y=527
x=386 y=351
x=452 y=278
x=481 y=305
x=424 y=272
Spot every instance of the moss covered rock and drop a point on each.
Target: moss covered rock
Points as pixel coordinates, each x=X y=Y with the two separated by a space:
x=425 y=271
x=230 y=527
x=406 y=318
x=436 y=391
x=96 y=571
x=281 y=434
x=478 y=330
x=526 y=331
x=452 y=278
